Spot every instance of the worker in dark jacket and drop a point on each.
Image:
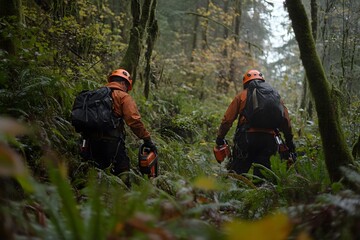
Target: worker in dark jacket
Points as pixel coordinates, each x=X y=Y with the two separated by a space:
x=251 y=145
x=109 y=148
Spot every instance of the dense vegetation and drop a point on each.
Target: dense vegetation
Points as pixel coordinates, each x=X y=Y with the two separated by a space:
x=54 y=49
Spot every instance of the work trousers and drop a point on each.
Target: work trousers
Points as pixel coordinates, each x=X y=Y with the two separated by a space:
x=106 y=151
x=249 y=148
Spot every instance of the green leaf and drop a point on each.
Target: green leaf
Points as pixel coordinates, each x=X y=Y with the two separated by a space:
x=74 y=221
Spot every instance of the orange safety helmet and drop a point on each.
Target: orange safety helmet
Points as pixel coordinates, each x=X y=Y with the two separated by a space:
x=122 y=73
x=251 y=75
x=221 y=152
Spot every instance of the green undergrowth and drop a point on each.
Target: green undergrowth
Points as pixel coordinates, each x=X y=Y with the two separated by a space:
x=48 y=192
x=58 y=196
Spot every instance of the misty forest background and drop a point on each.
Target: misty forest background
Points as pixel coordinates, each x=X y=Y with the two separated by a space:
x=187 y=59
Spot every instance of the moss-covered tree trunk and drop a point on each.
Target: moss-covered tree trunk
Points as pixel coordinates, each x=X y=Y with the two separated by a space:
x=11 y=10
x=356 y=149
x=205 y=26
x=141 y=16
x=222 y=81
x=153 y=30
x=306 y=99
x=234 y=64
x=132 y=55
x=337 y=153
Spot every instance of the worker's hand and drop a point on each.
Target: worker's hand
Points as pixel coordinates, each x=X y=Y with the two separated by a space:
x=220 y=141
x=149 y=144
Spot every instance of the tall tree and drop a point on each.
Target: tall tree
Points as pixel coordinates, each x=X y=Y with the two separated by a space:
x=141 y=19
x=204 y=33
x=306 y=100
x=11 y=10
x=195 y=32
x=234 y=65
x=153 y=30
x=337 y=153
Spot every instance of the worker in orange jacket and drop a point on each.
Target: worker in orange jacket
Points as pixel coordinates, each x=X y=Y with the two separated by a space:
x=109 y=148
x=251 y=145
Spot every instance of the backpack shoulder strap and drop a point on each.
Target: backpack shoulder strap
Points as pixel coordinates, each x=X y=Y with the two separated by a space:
x=248 y=102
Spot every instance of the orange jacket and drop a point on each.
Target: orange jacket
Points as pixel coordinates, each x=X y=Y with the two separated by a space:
x=125 y=107
x=235 y=111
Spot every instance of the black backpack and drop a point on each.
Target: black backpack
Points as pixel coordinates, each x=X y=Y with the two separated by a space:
x=263 y=107
x=93 y=111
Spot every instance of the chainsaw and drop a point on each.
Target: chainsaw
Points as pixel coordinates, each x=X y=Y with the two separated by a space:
x=148 y=161
x=221 y=152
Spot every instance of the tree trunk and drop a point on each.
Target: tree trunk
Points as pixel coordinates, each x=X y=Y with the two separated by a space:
x=223 y=83
x=204 y=32
x=141 y=16
x=139 y=32
x=226 y=30
x=132 y=55
x=10 y=8
x=314 y=18
x=306 y=99
x=234 y=65
x=344 y=45
x=336 y=152
x=195 y=33
x=153 y=30
x=195 y=37
x=356 y=149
